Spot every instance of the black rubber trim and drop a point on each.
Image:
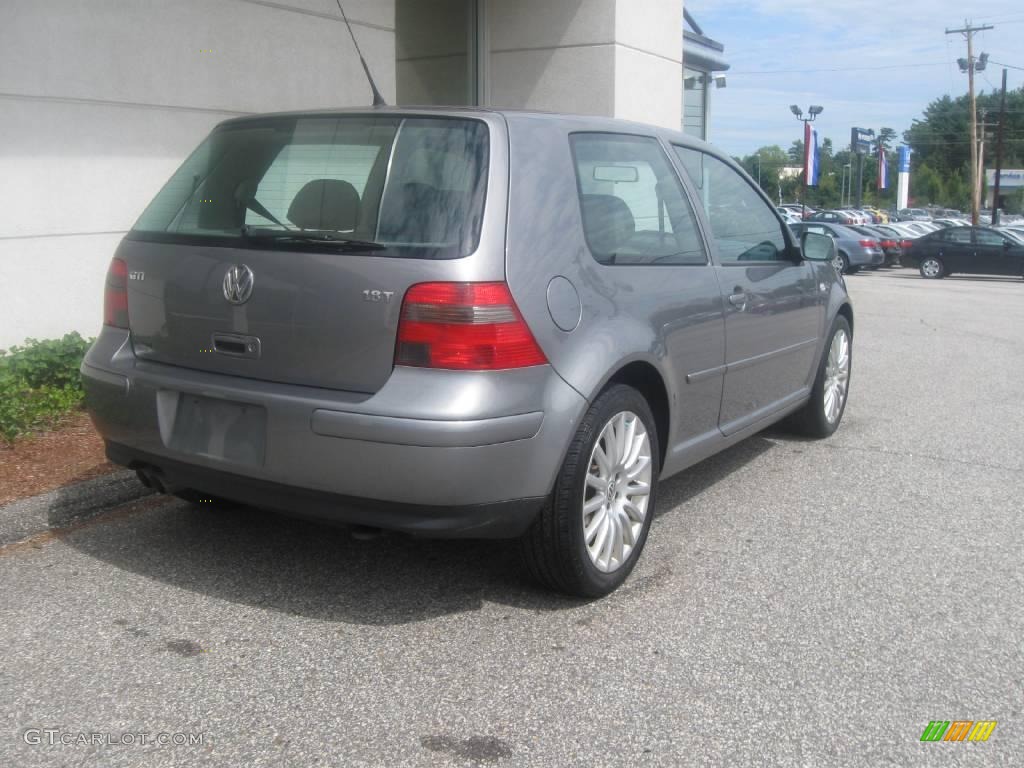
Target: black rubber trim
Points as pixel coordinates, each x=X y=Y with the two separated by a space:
x=500 y=520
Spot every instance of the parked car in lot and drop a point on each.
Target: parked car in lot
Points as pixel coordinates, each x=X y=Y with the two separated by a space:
x=880 y=216
x=854 y=251
x=835 y=217
x=969 y=251
x=891 y=246
x=789 y=216
x=914 y=214
x=461 y=323
x=890 y=232
x=801 y=211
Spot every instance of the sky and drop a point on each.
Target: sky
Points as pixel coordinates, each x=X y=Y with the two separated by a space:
x=894 y=58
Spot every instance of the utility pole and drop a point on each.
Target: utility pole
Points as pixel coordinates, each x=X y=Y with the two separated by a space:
x=999 y=153
x=969 y=65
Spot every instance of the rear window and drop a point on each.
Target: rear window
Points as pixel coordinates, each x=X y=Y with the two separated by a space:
x=416 y=186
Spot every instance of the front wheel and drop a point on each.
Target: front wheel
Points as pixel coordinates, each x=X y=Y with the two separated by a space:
x=932 y=269
x=824 y=410
x=590 y=533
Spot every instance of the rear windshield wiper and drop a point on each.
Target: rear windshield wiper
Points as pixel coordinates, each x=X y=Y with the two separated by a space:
x=316 y=237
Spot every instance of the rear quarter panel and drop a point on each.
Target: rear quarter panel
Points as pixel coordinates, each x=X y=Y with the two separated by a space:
x=627 y=313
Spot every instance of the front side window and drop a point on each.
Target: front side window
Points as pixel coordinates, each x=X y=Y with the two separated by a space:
x=413 y=186
x=987 y=237
x=745 y=228
x=632 y=203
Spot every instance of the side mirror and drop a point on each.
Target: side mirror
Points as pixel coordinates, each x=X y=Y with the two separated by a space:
x=1007 y=245
x=817 y=247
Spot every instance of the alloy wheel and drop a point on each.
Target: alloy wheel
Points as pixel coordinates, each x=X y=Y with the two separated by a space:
x=616 y=491
x=931 y=268
x=837 y=376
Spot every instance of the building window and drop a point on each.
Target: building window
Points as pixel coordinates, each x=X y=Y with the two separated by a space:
x=695 y=100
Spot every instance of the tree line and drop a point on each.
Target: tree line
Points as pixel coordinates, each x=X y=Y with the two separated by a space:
x=940 y=160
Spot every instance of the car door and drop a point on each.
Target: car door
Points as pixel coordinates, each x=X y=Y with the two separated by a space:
x=774 y=308
x=994 y=254
x=649 y=285
x=953 y=247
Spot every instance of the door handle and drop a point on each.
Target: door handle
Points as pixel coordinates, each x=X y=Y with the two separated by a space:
x=738 y=300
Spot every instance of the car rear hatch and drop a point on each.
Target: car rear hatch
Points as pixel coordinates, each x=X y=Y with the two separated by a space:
x=282 y=248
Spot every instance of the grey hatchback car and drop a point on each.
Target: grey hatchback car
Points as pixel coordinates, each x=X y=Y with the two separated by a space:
x=461 y=323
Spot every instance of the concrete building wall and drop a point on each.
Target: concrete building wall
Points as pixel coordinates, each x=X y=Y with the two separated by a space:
x=102 y=100
x=432 y=46
x=621 y=58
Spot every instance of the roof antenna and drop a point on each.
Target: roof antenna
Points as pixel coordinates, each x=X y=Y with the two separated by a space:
x=378 y=100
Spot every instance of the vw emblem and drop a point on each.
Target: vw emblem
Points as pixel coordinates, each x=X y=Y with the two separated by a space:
x=238 y=283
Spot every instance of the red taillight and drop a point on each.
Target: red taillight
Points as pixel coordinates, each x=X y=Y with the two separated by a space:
x=869 y=243
x=904 y=244
x=888 y=243
x=115 y=295
x=465 y=327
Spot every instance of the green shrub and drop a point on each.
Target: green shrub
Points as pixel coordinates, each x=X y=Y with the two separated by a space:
x=39 y=383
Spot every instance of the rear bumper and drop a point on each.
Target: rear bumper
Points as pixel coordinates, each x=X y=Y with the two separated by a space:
x=433 y=452
x=496 y=520
x=867 y=257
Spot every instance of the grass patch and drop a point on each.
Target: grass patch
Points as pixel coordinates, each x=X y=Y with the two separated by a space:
x=40 y=383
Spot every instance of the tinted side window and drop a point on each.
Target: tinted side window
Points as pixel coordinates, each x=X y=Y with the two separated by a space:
x=633 y=206
x=985 y=237
x=744 y=226
x=959 y=235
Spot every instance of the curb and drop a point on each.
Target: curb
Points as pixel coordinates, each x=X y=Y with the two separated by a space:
x=68 y=505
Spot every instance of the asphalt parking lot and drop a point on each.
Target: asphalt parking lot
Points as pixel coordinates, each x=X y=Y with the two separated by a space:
x=798 y=604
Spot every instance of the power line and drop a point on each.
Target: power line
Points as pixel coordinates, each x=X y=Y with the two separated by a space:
x=1008 y=66
x=836 y=69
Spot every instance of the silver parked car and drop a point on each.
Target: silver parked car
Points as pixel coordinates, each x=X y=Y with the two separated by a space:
x=854 y=251
x=461 y=323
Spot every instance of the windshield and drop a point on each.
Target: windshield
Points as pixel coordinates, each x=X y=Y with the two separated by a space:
x=415 y=186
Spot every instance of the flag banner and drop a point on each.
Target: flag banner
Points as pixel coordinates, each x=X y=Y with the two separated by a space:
x=883 y=169
x=904 y=159
x=812 y=155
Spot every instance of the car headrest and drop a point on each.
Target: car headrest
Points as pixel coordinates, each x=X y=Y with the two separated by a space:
x=608 y=223
x=325 y=204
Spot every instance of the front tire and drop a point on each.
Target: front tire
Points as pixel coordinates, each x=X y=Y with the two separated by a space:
x=932 y=269
x=591 y=532
x=820 y=417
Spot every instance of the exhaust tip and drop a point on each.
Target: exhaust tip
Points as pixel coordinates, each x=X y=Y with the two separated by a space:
x=149 y=478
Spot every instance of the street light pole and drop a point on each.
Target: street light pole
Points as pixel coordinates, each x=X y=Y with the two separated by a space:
x=812 y=112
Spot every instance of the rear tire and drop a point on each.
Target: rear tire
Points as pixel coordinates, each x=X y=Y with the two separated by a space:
x=932 y=268
x=564 y=548
x=820 y=418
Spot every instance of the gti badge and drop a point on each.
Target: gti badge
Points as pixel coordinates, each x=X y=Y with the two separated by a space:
x=238 y=282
